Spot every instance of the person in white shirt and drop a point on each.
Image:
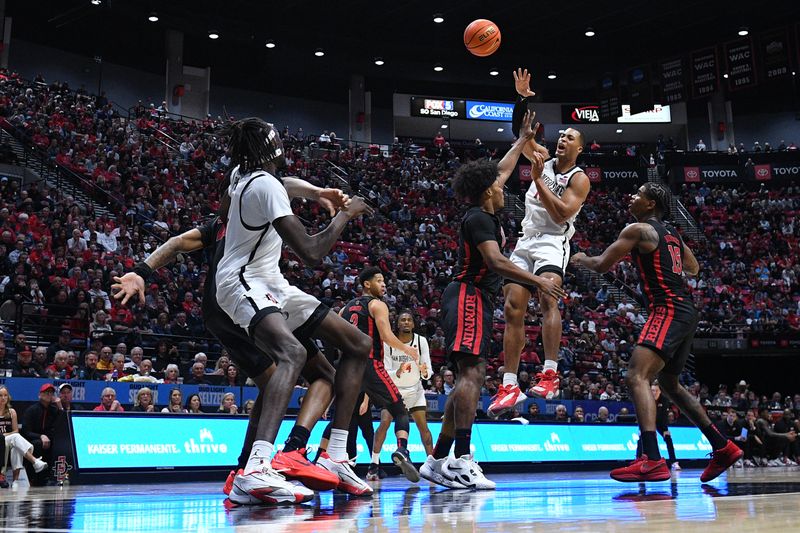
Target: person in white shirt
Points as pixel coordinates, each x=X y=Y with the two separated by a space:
x=107 y=240
x=407 y=375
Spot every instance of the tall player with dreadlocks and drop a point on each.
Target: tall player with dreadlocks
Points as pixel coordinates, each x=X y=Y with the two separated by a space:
x=277 y=316
x=661 y=257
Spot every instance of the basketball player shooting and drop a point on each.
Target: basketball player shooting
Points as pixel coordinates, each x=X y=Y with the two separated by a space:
x=661 y=257
x=552 y=203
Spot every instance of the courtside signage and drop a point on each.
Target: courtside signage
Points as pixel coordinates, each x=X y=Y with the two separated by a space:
x=497 y=111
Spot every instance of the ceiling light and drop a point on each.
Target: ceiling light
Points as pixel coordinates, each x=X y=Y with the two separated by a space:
x=319 y=52
x=270 y=44
x=725 y=75
x=379 y=61
x=97 y=2
x=444 y=126
x=213 y=34
x=551 y=75
x=153 y=17
x=589 y=32
x=619 y=130
x=494 y=72
x=743 y=31
x=438 y=67
x=438 y=18
x=500 y=130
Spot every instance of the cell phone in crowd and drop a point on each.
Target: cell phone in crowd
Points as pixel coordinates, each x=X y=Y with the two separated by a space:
x=744 y=433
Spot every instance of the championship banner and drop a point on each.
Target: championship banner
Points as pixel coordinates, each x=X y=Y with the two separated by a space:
x=704 y=72
x=775 y=61
x=610 y=105
x=673 y=80
x=740 y=64
x=763 y=172
x=640 y=90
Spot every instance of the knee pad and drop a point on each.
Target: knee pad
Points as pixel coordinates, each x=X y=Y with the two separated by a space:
x=400 y=414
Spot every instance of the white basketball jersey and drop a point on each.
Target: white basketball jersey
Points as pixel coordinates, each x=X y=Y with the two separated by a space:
x=537 y=219
x=252 y=246
x=393 y=359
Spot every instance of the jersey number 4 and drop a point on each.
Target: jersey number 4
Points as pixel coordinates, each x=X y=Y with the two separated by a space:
x=677 y=261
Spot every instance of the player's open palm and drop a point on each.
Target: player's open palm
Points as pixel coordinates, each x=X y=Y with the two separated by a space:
x=128 y=285
x=522 y=83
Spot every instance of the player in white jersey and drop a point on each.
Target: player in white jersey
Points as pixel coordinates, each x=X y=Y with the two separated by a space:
x=252 y=291
x=552 y=202
x=407 y=373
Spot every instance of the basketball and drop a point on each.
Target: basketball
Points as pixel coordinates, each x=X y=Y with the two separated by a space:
x=482 y=37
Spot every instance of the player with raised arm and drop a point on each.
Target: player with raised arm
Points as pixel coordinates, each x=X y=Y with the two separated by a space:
x=370 y=314
x=661 y=257
x=407 y=373
x=552 y=203
x=468 y=304
x=291 y=461
x=253 y=292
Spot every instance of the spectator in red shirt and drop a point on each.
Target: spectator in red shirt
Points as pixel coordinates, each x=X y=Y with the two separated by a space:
x=108 y=401
x=60 y=368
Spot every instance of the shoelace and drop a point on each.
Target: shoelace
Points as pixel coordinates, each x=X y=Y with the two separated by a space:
x=267 y=470
x=351 y=462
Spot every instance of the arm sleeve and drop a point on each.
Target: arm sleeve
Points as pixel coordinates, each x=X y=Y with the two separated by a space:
x=480 y=227
x=208 y=233
x=520 y=107
x=425 y=355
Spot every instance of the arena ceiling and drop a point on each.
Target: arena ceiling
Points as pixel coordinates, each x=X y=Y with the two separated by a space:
x=543 y=36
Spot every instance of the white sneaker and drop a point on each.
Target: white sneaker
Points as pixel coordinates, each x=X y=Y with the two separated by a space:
x=39 y=465
x=267 y=486
x=349 y=482
x=432 y=471
x=466 y=471
x=749 y=464
x=676 y=467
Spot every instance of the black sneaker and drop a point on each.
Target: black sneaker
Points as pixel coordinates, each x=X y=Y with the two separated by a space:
x=402 y=460
x=373 y=474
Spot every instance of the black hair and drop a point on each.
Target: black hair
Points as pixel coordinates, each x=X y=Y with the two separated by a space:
x=368 y=273
x=661 y=195
x=252 y=143
x=408 y=312
x=472 y=180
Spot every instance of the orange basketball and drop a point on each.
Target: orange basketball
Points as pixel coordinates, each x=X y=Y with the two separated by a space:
x=482 y=37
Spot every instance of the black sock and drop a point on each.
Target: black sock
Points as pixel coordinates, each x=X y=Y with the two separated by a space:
x=298 y=438
x=650 y=445
x=443 y=445
x=670 y=448
x=462 y=442
x=714 y=437
x=402 y=443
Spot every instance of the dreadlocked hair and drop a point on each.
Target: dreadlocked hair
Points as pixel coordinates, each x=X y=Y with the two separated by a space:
x=661 y=195
x=472 y=180
x=252 y=143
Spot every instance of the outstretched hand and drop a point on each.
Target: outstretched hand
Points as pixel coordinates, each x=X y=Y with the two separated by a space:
x=127 y=286
x=525 y=130
x=550 y=288
x=522 y=83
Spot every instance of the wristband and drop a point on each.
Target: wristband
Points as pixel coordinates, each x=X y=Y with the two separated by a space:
x=143 y=270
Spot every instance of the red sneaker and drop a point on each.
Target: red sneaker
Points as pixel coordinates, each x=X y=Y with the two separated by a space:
x=721 y=460
x=642 y=469
x=506 y=398
x=3 y=482
x=295 y=465
x=547 y=387
x=229 y=482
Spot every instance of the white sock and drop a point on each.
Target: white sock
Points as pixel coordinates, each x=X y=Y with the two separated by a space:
x=550 y=365
x=376 y=458
x=509 y=378
x=260 y=454
x=337 y=445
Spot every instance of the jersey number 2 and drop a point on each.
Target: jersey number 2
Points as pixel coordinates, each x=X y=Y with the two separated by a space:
x=354 y=319
x=677 y=262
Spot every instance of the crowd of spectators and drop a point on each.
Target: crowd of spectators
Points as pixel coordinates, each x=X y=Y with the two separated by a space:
x=58 y=256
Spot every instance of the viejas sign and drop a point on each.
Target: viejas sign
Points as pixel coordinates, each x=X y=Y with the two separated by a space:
x=580 y=114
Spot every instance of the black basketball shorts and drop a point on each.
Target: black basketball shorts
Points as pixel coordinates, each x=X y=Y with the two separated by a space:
x=467 y=316
x=669 y=332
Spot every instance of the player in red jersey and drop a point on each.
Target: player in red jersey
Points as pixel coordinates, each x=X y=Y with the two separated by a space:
x=661 y=257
